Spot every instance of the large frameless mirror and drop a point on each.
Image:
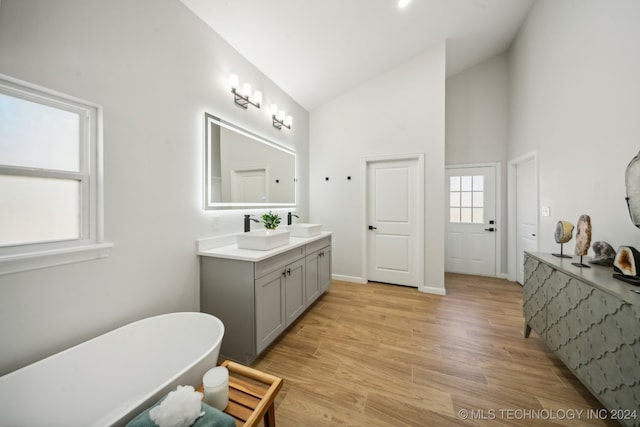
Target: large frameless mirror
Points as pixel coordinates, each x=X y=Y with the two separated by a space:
x=244 y=170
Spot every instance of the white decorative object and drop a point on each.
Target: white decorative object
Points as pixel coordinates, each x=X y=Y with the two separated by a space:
x=180 y=408
x=216 y=387
x=632 y=182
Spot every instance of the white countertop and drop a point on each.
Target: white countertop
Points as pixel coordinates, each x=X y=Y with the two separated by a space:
x=231 y=251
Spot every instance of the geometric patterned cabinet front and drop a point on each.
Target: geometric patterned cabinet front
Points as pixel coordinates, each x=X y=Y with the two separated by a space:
x=592 y=322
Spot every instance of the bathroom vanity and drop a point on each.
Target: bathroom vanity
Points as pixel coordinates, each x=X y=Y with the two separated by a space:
x=258 y=294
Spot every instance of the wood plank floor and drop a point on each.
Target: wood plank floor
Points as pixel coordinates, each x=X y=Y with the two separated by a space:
x=383 y=355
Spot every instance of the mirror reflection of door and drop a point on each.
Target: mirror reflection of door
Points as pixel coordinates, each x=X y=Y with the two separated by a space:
x=249 y=186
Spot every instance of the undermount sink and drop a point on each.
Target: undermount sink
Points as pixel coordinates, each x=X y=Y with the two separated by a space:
x=262 y=240
x=305 y=230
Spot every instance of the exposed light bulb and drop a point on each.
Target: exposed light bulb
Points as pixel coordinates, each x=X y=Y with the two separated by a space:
x=233 y=81
x=246 y=89
x=403 y=3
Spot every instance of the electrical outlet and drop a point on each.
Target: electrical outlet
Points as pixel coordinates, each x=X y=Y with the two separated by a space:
x=546 y=211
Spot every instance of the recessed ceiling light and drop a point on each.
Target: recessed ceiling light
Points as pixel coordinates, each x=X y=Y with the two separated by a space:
x=403 y=3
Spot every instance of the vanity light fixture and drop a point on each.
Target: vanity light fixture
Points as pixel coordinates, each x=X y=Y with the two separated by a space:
x=280 y=118
x=243 y=98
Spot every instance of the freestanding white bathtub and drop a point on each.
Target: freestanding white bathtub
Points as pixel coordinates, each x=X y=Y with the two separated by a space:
x=110 y=379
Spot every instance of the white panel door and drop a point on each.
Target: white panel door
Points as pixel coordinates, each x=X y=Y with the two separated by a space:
x=249 y=186
x=470 y=227
x=526 y=214
x=393 y=248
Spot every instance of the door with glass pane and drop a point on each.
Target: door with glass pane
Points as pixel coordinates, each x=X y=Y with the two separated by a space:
x=470 y=230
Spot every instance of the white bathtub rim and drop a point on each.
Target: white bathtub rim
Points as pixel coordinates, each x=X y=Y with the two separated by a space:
x=83 y=343
x=153 y=395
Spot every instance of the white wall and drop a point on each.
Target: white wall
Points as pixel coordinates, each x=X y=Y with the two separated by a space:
x=155 y=68
x=574 y=99
x=399 y=111
x=476 y=125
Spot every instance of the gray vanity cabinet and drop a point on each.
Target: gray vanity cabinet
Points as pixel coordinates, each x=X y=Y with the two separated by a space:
x=324 y=269
x=318 y=274
x=294 y=291
x=279 y=302
x=311 y=283
x=257 y=301
x=270 y=316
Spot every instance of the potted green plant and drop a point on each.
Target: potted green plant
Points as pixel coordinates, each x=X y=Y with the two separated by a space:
x=271 y=220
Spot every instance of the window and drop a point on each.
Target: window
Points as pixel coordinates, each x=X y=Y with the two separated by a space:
x=466 y=199
x=50 y=189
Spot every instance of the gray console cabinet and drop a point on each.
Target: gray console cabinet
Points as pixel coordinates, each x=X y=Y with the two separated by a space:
x=257 y=301
x=592 y=322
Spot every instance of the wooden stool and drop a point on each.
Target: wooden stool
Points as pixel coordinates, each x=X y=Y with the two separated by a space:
x=251 y=395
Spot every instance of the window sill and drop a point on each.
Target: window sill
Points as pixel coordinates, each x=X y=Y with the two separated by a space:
x=35 y=260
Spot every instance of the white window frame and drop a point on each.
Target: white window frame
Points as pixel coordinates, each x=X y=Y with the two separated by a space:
x=460 y=207
x=90 y=244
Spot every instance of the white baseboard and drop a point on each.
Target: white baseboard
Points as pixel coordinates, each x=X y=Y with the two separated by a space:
x=431 y=290
x=348 y=278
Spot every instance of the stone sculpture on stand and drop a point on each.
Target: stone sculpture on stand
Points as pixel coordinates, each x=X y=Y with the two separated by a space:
x=583 y=239
x=627 y=265
x=563 y=234
x=632 y=183
x=627 y=262
x=605 y=254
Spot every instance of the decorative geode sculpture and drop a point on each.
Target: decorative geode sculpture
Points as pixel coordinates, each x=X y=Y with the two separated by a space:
x=627 y=261
x=564 y=232
x=632 y=182
x=605 y=254
x=583 y=235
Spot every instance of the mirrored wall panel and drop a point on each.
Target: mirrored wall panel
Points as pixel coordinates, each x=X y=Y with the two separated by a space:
x=244 y=170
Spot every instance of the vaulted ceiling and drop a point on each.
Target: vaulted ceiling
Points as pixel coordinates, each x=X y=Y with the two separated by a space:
x=316 y=50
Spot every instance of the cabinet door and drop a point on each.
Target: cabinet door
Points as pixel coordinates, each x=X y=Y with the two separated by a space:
x=324 y=269
x=294 y=290
x=311 y=282
x=270 y=320
x=534 y=299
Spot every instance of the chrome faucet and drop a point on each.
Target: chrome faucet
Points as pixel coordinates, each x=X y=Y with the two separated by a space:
x=289 y=219
x=247 y=222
